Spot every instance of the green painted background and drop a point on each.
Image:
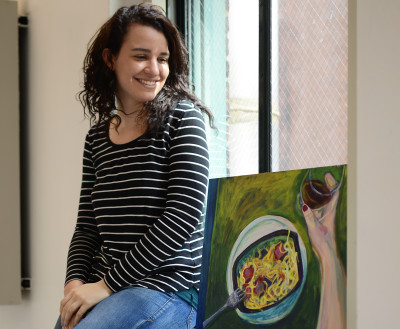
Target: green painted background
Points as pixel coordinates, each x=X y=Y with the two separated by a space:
x=242 y=199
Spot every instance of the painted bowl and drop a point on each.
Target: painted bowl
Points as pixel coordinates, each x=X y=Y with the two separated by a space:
x=269 y=262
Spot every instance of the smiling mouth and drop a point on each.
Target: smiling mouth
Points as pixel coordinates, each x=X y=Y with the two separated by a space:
x=147 y=82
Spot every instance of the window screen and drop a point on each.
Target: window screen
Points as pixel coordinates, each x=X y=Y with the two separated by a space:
x=308 y=81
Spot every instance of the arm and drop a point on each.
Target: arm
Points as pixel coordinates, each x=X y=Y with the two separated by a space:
x=86 y=239
x=187 y=185
x=333 y=299
x=333 y=282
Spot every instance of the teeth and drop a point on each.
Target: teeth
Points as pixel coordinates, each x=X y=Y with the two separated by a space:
x=147 y=82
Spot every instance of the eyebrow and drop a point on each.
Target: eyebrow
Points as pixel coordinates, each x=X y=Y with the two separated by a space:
x=164 y=53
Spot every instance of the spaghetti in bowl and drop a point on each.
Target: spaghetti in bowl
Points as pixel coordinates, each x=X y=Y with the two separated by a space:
x=268 y=261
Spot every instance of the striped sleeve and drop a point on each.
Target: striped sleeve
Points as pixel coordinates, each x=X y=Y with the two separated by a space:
x=85 y=240
x=187 y=186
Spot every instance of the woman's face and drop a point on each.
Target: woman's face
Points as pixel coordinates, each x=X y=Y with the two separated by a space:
x=141 y=66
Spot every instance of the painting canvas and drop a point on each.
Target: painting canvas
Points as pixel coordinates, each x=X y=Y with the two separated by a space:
x=274 y=244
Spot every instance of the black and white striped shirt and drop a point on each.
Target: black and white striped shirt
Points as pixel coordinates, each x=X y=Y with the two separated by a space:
x=140 y=218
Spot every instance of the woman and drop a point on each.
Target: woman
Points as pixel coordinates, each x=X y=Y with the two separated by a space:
x=134 y=259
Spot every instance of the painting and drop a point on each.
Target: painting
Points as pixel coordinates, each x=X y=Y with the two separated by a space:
x=275 y=251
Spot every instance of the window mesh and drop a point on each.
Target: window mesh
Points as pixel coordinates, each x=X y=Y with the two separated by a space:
x=312 y=84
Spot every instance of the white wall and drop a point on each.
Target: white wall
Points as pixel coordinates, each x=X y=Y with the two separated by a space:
x=58 y=35
x=59 y=31
x=374 y=157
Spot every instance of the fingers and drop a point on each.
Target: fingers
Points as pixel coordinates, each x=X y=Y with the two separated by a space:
x=70 y=326
x=309 y=216
x=64 y=302
x=69 y=309
x=74 y=320
x=73 y=316
x=331 y=211
x=313 y=223
x=335 y=199
x=79 y=315
x=68 y=313
x=67 y=327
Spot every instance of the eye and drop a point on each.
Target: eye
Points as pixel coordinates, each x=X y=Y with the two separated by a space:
x=140 y=57
x=163 y=59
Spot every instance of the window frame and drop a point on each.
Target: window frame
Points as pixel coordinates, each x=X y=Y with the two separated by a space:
x=264 y=90
x=178 y=10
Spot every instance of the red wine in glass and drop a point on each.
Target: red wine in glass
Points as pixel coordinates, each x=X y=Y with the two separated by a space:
x=315 y=194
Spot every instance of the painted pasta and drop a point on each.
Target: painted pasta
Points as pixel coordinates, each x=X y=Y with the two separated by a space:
x=269 y=272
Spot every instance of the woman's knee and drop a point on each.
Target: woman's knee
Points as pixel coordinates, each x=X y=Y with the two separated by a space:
x=124 y=309
x=176 y=313
x=140 y=308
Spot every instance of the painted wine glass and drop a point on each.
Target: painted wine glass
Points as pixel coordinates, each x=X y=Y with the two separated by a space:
x=318 y=188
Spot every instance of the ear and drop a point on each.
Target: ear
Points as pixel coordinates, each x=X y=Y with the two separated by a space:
x=108 y=58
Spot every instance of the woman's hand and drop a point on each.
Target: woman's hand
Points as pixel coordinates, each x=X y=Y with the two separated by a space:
x=71 y=285
x=79 y=298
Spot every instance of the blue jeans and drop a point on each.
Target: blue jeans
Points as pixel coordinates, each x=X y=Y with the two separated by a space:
x=134 y=307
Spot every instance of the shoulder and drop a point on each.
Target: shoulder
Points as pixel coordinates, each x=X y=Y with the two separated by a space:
x=186 y=112
x=96 y=133
x=185 y=119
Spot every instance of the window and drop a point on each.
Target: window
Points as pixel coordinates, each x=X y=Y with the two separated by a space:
x=309 y=83
x=279 y=96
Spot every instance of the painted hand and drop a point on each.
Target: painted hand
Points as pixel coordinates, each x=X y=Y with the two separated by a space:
x=322 y=233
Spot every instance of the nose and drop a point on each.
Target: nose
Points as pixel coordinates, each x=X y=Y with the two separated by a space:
x=152 y=67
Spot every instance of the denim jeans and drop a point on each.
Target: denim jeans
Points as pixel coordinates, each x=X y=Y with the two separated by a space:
x=136 y=307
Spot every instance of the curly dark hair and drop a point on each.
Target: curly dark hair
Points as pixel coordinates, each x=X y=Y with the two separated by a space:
x=98 y=94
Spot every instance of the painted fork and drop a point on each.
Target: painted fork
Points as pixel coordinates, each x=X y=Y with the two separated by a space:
x=232 y=302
